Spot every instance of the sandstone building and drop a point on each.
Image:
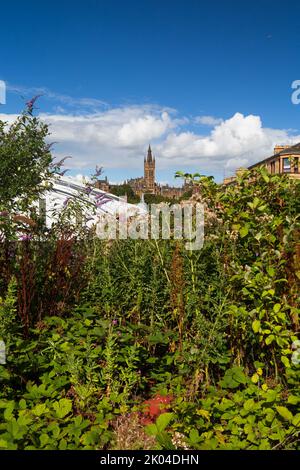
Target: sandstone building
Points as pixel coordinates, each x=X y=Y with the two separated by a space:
x=147 y=184
x=285 y=160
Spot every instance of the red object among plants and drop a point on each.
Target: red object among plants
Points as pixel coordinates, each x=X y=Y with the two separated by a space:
x=155 y=406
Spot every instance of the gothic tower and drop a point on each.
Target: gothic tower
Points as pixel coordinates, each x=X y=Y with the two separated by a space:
x=149 y=172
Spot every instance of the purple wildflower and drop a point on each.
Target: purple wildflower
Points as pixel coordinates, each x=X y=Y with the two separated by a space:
x=48 y=148
x=115 y=322
x=61 y=162
x=66 y=201
x=101 y=199
x=101 y=203
x=3 y=213
x=30 y=104
x=100 y=196
x=88 y=190
x=98 y=170
x=25 y=238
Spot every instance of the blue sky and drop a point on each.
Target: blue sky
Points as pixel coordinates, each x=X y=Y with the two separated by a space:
x=207 y=83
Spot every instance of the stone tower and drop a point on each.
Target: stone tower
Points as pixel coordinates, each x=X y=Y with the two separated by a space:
x=149 y=172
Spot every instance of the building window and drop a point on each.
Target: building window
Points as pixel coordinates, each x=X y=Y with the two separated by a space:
x=286 y=165
x=296 y=165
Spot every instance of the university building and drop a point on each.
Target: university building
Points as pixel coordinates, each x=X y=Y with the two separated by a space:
x=147 y=184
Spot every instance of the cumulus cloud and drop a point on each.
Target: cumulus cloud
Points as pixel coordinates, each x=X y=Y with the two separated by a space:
x=144 y=128
x=239 y=140
x=234 y=163
x=118 y=138
x=113 y=138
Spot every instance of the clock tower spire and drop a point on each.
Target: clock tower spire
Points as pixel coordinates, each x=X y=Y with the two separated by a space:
x=149 y=172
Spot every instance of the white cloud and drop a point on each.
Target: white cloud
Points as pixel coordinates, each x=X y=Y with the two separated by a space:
x=208 y=120
x=118 y=138
x=9 y=118
x=88 y=103
x=113 y=138
x=241 y=137
x=144 y=128
x=234 y=163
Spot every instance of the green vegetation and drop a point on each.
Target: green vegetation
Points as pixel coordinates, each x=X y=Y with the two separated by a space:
x=132 y=198
x=25 y=159
x=131 y=344
x=125 y=190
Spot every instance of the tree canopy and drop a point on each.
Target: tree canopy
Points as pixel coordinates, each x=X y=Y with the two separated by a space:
x=25 y=159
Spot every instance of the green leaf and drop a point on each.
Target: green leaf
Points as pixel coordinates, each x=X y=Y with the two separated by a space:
x=233 y=378
x=44 y=439
x=249 y=404
x=204 y=413
x=256 y=326
x=54 y=428
x=239 y=375
x=194 y=436
x=40 y=409
x=256 y=201
x=3 y=444
x=269 y=339
x=271 y=395
x=8 y=413
x=244 y=231
x=62 y=444
x=258 y=236
x=24 y=419
x=65 y=346
x=285 y=413
x=165 y=441
x=22 y=404
x=276 y=308
x=271 y=271
x=151 y=429
x=63 y=407
x=163 y=421
x=89 y=438
x=285 y=361
x=293 y=400
x=258 y=364
x=296 y=420
x=15 y=430
x=266 y=177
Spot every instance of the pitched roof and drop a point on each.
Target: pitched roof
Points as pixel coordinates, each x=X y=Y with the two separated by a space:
x=293 y=150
